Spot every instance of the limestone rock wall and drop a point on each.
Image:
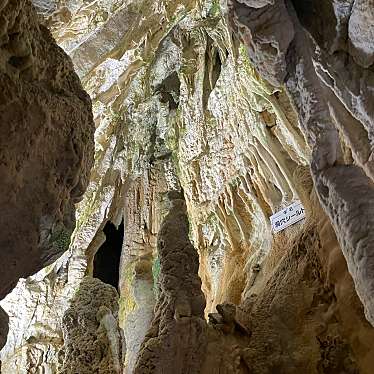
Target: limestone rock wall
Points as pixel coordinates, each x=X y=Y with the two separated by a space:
x=245 y=107
x=325 y=64
x=46 y=145
x=143 y=212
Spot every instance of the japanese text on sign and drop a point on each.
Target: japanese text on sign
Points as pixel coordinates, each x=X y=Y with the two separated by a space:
x=287 y=216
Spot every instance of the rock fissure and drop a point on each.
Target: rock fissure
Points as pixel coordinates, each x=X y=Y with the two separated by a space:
x=107 y=259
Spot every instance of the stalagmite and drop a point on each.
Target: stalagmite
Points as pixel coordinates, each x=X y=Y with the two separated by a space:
x=176 y=338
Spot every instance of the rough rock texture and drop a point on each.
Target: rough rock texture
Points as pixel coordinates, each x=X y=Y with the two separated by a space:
x=36 y=306
x=46 y=145
x=140 y=263
x=235 y=117
x=327 y=74
x=93 y=342
x=176 y=339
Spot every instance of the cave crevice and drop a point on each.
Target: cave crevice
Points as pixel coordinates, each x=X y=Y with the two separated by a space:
x=107 y=259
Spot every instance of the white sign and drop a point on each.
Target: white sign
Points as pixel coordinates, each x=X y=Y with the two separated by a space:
x=287 y=216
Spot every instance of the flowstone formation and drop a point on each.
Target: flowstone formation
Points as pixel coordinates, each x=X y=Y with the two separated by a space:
x=244 y=107
x=325 y=64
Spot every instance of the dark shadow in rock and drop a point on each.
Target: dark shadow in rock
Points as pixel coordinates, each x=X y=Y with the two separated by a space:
x=169 y=90
x=107 y=258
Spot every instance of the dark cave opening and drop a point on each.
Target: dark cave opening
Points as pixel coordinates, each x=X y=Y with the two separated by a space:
x=309 y=13
x=169 y=90
x=107 y=258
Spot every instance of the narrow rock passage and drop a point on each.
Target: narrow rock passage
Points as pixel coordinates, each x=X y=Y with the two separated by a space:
x=107 y=259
